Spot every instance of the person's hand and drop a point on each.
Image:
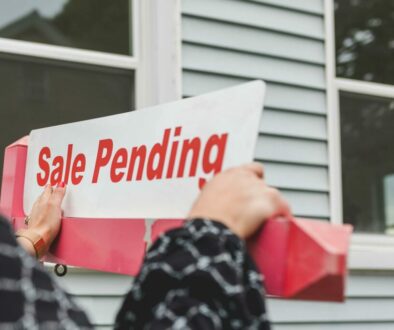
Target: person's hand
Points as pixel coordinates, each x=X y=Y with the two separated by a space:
x=240 y=199
x=45 y=216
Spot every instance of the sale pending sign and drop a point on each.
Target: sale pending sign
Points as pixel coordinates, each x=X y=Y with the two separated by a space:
x=148 y=163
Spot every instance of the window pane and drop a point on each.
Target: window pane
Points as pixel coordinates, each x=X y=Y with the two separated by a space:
x=365 y=40
x=367 y=137
x=38 y=93
x=100 y=25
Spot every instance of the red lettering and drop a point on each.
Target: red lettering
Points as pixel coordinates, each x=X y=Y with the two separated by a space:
x=160 y=151
x=42 y=178
x=191 y=156
x=119 y=162
x=220 y=144
x=68 y=163
x=137 y=152
x=189 y=145
x=104 y=152
x=174 y=149
x=78 y=167
x=57 y=172
x=215 y=165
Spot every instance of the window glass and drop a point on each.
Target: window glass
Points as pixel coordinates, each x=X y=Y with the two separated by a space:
x=365 y=40
x=388 y=194
x=367 y=137
x=102 y=25
x=36 y=93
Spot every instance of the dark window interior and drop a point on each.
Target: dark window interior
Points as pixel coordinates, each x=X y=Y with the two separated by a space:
x=367 y=141
x=39 y=93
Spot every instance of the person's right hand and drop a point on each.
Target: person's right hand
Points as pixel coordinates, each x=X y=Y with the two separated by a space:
x=45 y=216
x=240 y=199
x=44 y=220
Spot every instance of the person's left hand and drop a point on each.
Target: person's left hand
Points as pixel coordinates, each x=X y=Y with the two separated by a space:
x=45 y=216
x=240 y=199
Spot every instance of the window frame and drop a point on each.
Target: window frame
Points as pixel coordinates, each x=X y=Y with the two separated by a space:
x=149 y=30
x=367 y=251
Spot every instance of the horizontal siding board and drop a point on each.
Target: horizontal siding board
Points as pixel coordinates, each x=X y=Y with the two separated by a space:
x=85 y=282
x=353 y=310
x=290 y=176
x=277 y=96
x=247 y=39
x=232 y=63
x=291 y=150
x=295 y=98
x=100 y=310
x=196 y=83
x=309 y=6
x=257 y=15
x=308 y=204
x=371 y=285
x=293 y=124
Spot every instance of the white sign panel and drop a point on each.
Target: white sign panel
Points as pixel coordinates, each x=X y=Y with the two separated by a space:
x=148 y=163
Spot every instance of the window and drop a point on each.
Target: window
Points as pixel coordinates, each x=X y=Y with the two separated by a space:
x=37 y=93
x=360 y=99
x=364 y=40
x=90 y=24
x=363 y=87
x=367 y=132
x=68 y=60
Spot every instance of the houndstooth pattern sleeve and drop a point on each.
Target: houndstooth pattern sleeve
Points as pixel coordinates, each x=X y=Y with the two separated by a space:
x=29 y=296
x=196 y=277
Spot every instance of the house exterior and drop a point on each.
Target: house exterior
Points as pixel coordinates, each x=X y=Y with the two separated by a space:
x=189 y=47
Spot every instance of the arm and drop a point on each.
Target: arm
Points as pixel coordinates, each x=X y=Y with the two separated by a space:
x=29 y=297
x=27 y=245
x=200 y=276
x=197 y=277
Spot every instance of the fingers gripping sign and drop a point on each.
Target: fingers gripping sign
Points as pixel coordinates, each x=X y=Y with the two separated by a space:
x=240 y=198
x=45 y=216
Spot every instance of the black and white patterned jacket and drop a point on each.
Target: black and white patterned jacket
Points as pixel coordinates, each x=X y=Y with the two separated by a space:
x=195 y=277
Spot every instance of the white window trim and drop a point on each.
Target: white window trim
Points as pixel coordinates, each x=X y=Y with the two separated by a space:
x=364 y=87
x=367 y=251
x=156 y=58
x=60 y=53
x=160 y=73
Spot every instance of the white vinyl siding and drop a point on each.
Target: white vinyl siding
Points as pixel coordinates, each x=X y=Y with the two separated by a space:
x=369 y=304
x=259 y=15
x=228 y=42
